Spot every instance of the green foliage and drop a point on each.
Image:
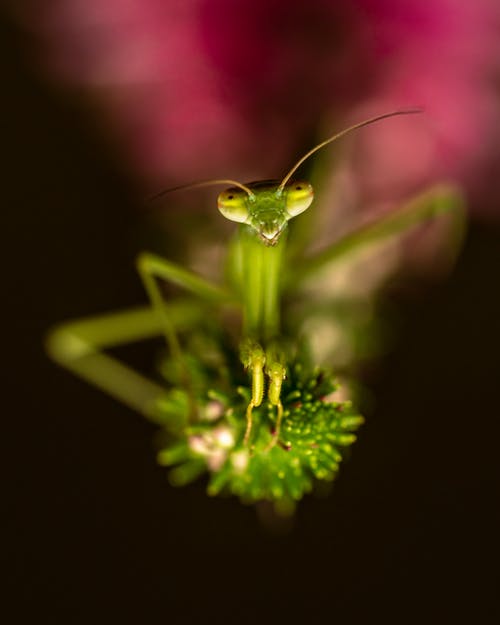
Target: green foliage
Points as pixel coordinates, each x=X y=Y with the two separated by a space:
x=316 y=430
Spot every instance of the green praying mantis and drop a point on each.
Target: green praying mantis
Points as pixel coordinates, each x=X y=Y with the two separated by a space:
x=258 y=278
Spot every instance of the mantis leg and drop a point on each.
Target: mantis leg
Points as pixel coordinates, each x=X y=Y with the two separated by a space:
x=261 y=365
x=431 y=204
x=254 y=359
x=151 y=268
x=79 y=345
x=276 y=372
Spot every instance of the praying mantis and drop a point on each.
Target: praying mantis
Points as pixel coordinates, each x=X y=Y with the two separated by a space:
x=253 y=291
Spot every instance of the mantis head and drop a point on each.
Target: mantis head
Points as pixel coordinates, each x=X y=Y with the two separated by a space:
x=266 y=207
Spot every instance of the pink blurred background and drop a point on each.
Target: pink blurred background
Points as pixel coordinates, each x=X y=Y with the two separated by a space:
x=215 y=88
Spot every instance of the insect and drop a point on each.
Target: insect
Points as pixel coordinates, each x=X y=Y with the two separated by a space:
x=229 y=417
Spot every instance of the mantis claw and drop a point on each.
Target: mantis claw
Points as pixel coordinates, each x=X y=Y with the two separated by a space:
x=254 y=359
x=277 y=427
x=248 y=430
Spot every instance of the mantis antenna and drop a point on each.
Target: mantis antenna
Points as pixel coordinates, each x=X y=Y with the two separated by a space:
x=249 y=192
x=336 y=136
x=205 y=183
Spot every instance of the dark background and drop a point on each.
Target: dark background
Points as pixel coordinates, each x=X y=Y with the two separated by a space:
x=95 y=534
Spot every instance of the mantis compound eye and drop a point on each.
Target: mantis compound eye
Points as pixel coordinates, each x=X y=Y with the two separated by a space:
x=232 y=203
x=299 y=196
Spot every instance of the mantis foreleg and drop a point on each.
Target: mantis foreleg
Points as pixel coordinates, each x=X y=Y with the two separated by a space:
x=276 y=373
x=253 y=359
x=263 y=365
x=260 y=291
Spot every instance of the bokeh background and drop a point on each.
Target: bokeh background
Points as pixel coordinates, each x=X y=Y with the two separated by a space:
x=104 y=103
